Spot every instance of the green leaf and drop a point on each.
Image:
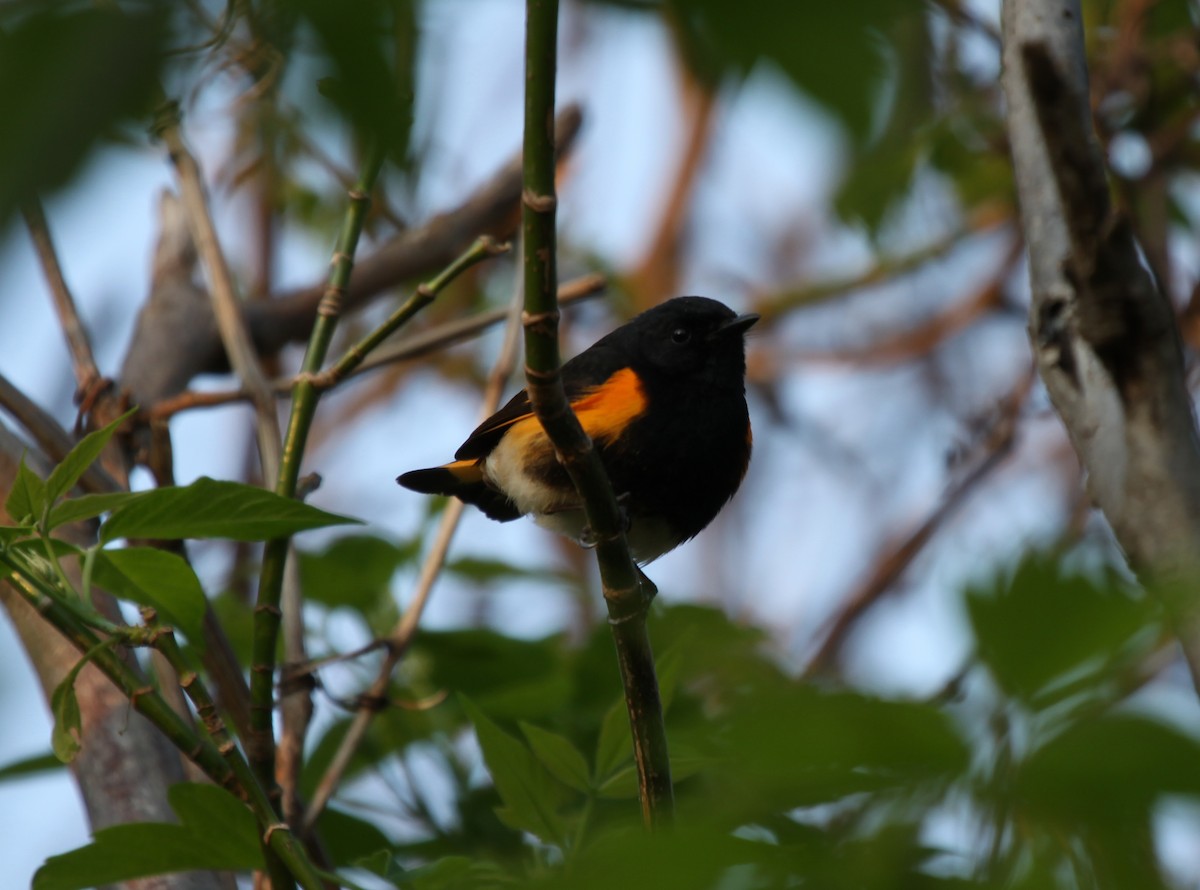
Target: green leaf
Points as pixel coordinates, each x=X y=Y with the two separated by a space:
x=614 y=749
x=354 y=571
x=559 y=756
x=83 y=455
x=152 y=577
x=31 y=766
x=1107 y=769
x=217 y=832
x=526 y=679
x=66 y=735
x=1045 y=630
x=209 y=508
x=836 y=52
x=27 y=499
x=374 y=93
x=10 y=534
x=529 y=793
x=68 y=75
x=88 y=506
x=347 y=838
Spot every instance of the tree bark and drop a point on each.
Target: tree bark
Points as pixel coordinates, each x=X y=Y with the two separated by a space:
x=1104 y=335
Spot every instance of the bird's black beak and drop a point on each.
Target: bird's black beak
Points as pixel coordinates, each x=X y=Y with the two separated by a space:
x=737 y=325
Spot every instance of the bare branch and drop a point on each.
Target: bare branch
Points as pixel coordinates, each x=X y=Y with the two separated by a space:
x=226 y=306
x=84 y=362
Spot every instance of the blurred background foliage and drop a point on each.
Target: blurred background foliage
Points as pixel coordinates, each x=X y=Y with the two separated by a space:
x=908 y=655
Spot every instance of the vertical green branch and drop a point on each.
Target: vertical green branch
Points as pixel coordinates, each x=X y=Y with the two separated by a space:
x=305 y=394
x=625 y=596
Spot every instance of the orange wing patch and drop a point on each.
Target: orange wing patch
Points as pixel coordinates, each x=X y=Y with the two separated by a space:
x=609 y=408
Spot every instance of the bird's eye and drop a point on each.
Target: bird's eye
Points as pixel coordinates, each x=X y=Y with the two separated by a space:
x=680 y=335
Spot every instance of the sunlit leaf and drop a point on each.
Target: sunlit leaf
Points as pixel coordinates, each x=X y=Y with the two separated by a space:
x=27 y=498
x=64 y=476
x=209 y=508
x=152 y=577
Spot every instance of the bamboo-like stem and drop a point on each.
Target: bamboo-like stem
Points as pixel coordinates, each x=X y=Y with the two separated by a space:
x=219 y=758
x=626 y=597
x=398 y=640
x=484 y=248
x=304 y=405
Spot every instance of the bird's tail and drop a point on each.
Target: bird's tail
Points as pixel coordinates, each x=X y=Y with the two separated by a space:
x=464 y=480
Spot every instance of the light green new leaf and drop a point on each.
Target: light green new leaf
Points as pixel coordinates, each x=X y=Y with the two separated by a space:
x=217 y=832
x=83 y=455
x=525 y=787
x=558 y=755
x=66 y=736
x=209 y=508
x=152 y=577
x=27 y=498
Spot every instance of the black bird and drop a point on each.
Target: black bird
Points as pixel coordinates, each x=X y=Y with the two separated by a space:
x=663 y=398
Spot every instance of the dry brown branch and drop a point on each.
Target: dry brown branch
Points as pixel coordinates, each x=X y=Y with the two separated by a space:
x=408 y=348
x=888 y=570
x=921 y=340
x=227 y=309
x=82 y=359
x=656 y=275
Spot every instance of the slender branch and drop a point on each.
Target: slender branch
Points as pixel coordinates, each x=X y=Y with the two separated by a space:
x=304 y=405
x=226 y=306
x=84 y=362
x=1000 y=441
x=53 y=440
x=628 y=600
x=884 y=269
x=415 y=346
x=401 y=636
x=484 y=248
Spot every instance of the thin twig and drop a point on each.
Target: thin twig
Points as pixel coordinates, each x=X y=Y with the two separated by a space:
x=406 y=349
x=399 y=639
x=54 y=441
x=226 y=306
x=84 y=362
x=888 y=570
x=304 y=405
x=773 y=306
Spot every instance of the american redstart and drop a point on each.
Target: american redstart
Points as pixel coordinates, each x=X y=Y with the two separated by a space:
x=663 y=399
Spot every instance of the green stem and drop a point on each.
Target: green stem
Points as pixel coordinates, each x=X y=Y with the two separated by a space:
x=283 y=843
x=484 y=248
x=222 y=762
x=627 y=599
x=261 y=741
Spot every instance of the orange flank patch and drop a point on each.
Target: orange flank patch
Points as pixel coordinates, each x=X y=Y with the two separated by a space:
x=610 y=407
x=603 y=411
